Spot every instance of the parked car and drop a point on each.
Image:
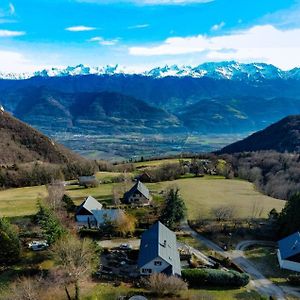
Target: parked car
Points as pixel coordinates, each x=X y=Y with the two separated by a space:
x=125 y=247
x=38 y=245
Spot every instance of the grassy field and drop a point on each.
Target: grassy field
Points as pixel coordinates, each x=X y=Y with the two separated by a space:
x=203 y=194
x=155 y=163
x=200 y=195
x=21 y=201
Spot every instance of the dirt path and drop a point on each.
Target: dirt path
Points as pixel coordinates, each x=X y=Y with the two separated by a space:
x=259 y=282
x=135 y=243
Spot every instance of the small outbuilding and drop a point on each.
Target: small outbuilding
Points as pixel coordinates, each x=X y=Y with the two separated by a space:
x=88 y=181
x=138 y=195
x=289 y=252
x=158 y=251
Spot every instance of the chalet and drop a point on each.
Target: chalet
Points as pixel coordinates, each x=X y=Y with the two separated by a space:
x=138 y=195
x=85 y=212
x=88 y=181
x=289 y=252
x=158 y=251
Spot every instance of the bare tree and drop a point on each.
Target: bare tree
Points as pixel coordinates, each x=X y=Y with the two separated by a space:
x=161 y=284
x=75 y=259
x=125 y=223
x=117 y=192
x=224 y=212
x=56 y=192
x=25 y=288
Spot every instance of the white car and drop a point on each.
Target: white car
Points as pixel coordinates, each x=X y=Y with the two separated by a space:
x=125 y=247
x=38 y=245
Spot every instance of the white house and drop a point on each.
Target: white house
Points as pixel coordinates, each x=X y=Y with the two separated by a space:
x=85 y=212
x=158 y=251
x=289 y=252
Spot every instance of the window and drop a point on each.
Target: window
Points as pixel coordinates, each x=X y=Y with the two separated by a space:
x=147 y=271
x=157 y=263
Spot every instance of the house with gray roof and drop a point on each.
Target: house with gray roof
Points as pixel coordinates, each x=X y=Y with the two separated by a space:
x=289 y=252
x=158 y=251
x=138 y=195
x=85 y=212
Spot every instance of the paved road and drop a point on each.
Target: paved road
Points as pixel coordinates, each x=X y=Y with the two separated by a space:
x=259 y=282
x=246 y=244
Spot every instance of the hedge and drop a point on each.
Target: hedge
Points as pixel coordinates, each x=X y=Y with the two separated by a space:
x=213 y=277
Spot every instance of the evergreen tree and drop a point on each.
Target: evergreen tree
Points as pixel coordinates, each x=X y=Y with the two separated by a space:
x=175 y=209
x=289 y=219
x=68 y=203
x=10 y=247
x=52 y=228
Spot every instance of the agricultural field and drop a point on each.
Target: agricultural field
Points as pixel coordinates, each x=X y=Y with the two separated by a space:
x=200 y=195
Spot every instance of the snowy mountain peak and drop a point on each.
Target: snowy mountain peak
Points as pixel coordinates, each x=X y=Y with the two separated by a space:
x=229 y=70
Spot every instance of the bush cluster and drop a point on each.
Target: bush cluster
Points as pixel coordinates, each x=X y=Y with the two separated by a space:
x=213 y=277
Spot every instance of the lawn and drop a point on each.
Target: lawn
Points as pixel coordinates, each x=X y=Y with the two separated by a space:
x=200 y=195
x=265 y=260
x=107 y=292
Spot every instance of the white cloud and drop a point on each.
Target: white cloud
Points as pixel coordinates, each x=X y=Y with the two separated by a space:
x=148 y=2
x=218 y=26
x=139 y=26
x=101 y=41
x=11 y=33
x=12 y=9
x=260 y=43
x=80 y=28
x=12 y=61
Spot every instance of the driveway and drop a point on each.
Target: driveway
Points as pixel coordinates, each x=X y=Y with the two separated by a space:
x=258 y=281
x=135 y=243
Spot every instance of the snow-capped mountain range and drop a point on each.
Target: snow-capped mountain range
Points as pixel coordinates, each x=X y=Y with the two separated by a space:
x=218 y=70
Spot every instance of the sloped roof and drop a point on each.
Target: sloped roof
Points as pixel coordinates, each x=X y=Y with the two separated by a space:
x=139 y=186
x=290 y=245
x=90 y=204
x=160 y=241
x=106 y=215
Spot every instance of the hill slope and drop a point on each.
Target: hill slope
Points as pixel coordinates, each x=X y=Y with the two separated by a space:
x=281 y=136
x=20 y=143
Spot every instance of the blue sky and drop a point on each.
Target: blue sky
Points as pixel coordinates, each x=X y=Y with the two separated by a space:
x=141 y=34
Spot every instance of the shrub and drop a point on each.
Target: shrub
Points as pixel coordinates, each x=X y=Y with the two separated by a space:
x=10 y=247
x=161 y=284
x=294 y=279
x=212 y=277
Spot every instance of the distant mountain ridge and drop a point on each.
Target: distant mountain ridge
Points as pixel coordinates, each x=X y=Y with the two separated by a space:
x=105 y=112
x=229 y=70
x=281 y=136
